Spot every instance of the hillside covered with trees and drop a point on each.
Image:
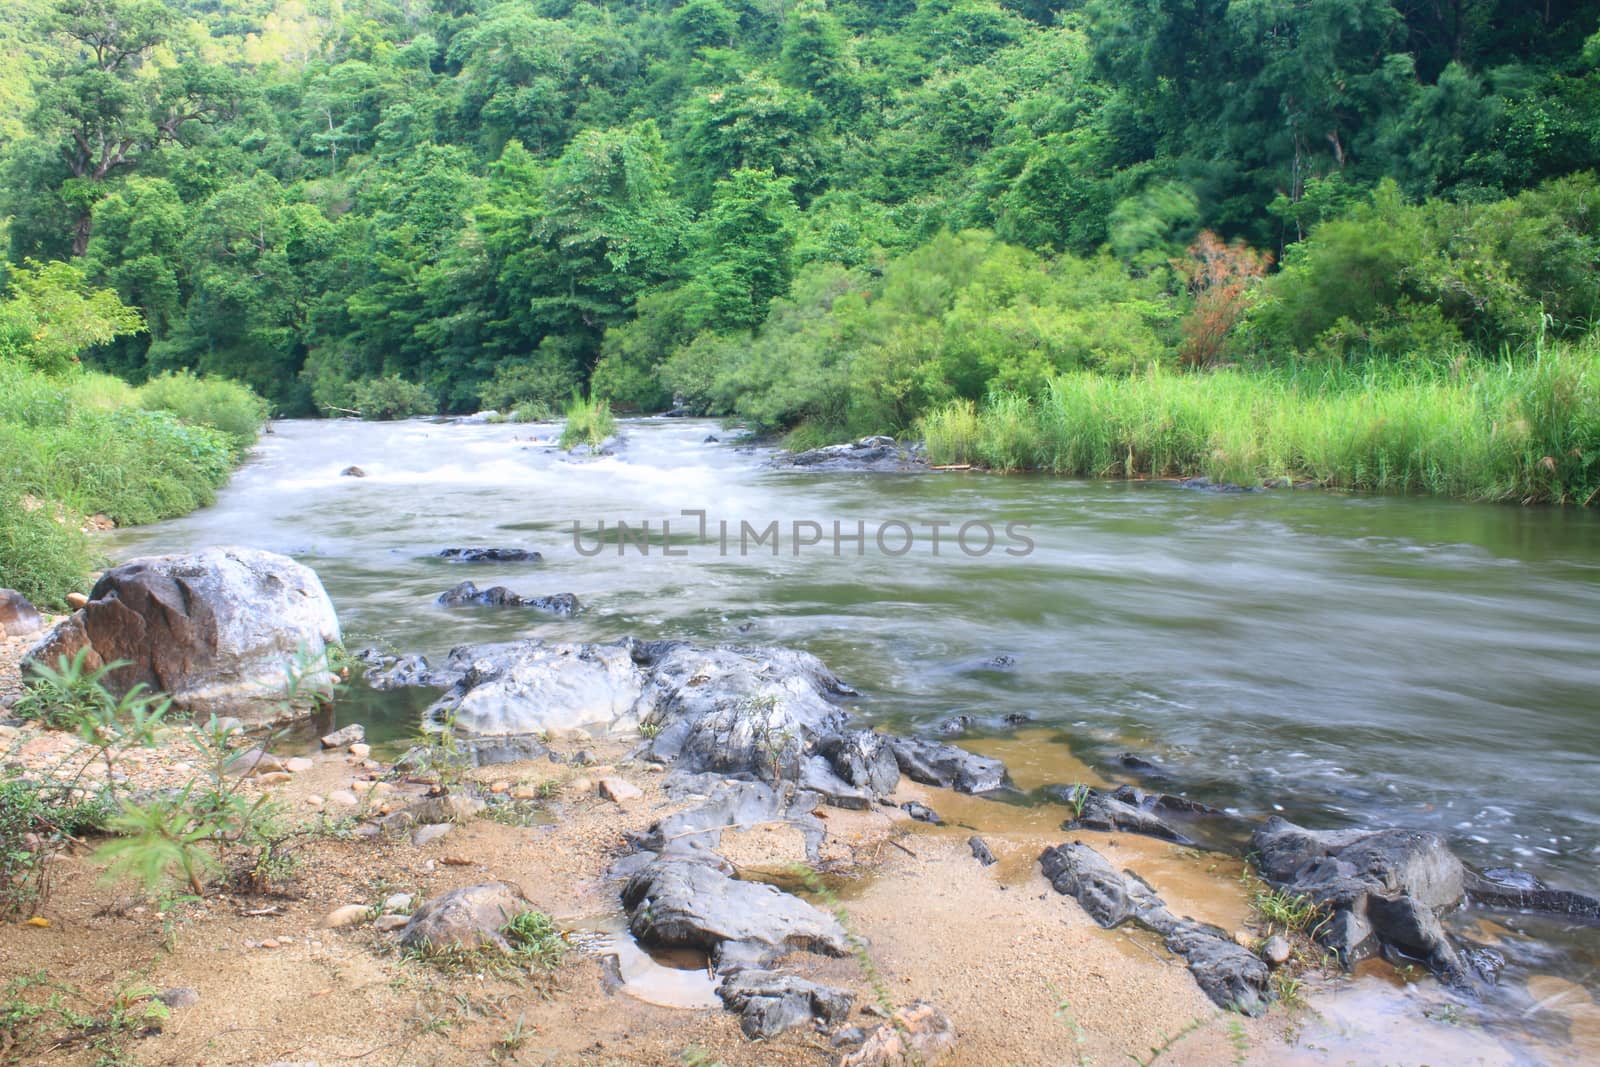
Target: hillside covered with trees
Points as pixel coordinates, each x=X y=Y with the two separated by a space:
x=834 y=216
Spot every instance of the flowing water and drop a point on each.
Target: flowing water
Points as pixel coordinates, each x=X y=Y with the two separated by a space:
x=1345 y=660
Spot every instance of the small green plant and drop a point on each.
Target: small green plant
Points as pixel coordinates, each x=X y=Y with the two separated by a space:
x=1080 y=1038
x=1078 y=799
x=1294 y=913
x=59 y=696
x=649 y=730
x=1289 y=990
x=535 y=939
x=45 y=1016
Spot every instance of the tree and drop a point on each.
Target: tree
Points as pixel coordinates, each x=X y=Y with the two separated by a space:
x=1221 y=277
x=52 y=314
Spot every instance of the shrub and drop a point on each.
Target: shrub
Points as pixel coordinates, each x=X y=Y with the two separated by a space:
x=536 y=387
x=40 y=557
x=589 y=422
x=225 y=406
x=391 y=398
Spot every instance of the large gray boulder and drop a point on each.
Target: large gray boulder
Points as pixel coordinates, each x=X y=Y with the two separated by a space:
x=1384 y=890
x=530 y=687
x=218 y=630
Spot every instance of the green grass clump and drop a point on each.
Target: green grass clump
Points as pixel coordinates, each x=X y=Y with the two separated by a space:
x=41 y=558
x=1525 y=431
x=535 y=939
x=228 y=407
x=589 y=422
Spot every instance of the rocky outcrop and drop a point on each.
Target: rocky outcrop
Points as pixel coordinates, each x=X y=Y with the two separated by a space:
x=18 y=616
x=877 y=454
x=947 y=766
x=218 y=630
x=533 y=687
x=490 y=555
x=1384 y=891
x=499 y=596
x=1230 y=975
x=1504 y=887
x=464 y=920
x=1127 y=810
x=770 y=1003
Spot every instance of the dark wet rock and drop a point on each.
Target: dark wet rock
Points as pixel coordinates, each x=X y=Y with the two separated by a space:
x=352 y=472
x=1015 y=718
x=1506 y=887
x=1231 y=975
x=490 y=555
x=770 y=1003
x=1385 y=890
x=947 y=766
x=921 y=813
x=465 y=919
x=863 y=758
x=1138 y=764
x=881 y=454
x=1003 y=662
x=1210 y=486
x=686 y=901
x=217 y=630
x=956 y=725
x=710 y=439
x=499 y=596
x=18 y=616
x=918 y=1034
x=1123 y=810
x=980 y=851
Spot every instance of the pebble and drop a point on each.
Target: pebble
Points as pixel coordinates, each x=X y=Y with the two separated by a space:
x=1277 y=950
x=315 y=803
x=501 y=786
x=349 y=735
x=269 y=943
x=179 y=997
x=298 y=765
x=76 y=600
x=432 y=832
x=344 y=796
x=398 y=902
x=385 y=923
x=348 y=915
x=273 y=778
x=525 y=792
x=360 y=750
x=582 y=785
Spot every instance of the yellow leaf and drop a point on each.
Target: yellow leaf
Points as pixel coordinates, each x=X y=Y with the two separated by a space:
x=38 y=921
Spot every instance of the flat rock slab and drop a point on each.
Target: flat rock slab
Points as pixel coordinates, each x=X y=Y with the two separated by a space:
x=689 y=902
x=769 y=1002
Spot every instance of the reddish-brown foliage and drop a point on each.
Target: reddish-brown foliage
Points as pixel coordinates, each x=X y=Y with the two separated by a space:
x=1220 y=277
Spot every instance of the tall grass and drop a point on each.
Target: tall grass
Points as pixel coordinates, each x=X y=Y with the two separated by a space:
x=1524 y=431
x=81 y=444
x=589 y=422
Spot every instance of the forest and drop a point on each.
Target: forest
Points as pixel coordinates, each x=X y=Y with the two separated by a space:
x=820 y=218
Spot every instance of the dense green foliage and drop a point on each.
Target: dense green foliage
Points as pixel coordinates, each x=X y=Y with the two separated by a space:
x=832 y=214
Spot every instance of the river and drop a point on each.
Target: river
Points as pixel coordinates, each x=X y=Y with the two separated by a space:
x=1345 y=660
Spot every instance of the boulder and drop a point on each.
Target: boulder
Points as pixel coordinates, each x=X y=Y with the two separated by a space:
x=18 y=616
x=465 y=919
x=490 y=555
x=352 y=472
x=770 y=1003
x=1384 y=890
x=878 y=454
x=353 y=734
x=217 y=630
x=690 y=902
x=1231 y=975
x=532 y=687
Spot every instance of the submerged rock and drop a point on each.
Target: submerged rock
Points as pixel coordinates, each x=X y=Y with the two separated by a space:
x=217 y=630
x=490 y=555
x=770 y=1003
x=1384 y=890
x=1503 y=887
x=1232 y=976
x=467 y=593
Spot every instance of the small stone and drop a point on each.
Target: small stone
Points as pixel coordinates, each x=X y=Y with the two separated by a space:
x=344 y=796
x=298 y=765
x=360 y=750
x=398 y=902
x=371 y=765
x=348 y=735
x=76 y=600
x=18 y=616
x=253 y=761
x=348 y=915
x=524 y=792
x=619 y=790
x=316 y=803
x=386 y=923
x=1277 y=950
x=274 y=778
x=269 y=943
x=501 y=786
x=179 y=997
x=581 y=785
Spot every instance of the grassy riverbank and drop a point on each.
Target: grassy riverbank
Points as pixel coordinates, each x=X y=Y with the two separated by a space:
x=77 y=445
x=1526 y=431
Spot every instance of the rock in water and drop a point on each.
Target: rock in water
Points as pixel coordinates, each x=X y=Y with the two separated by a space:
x=490 y=555
x=18 y=616
x=352 y=472
x=467 y=593
x=947 y=766
x=1384 y=889
x=465 y=919
x=216 y=630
